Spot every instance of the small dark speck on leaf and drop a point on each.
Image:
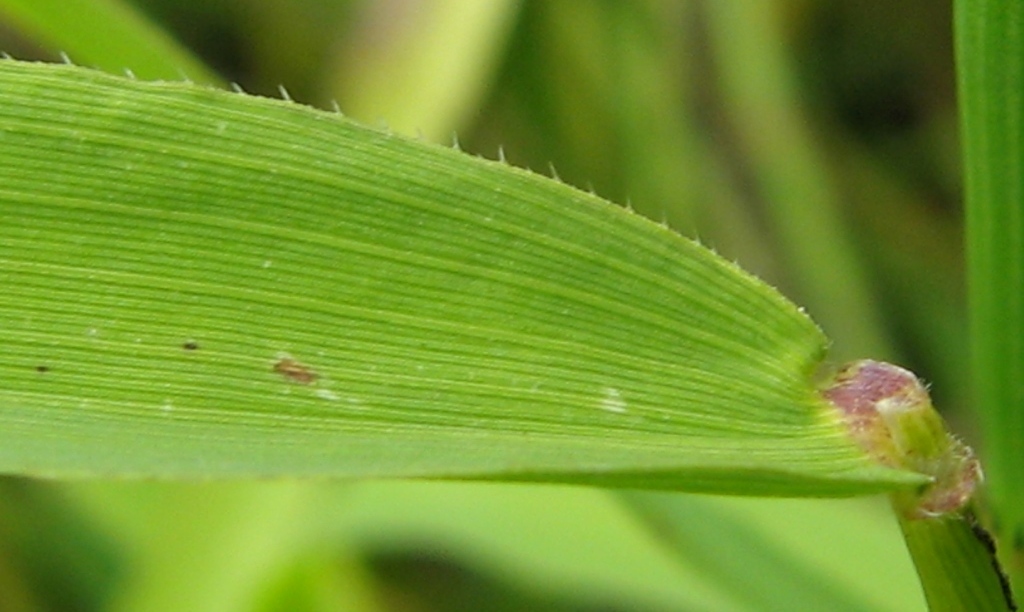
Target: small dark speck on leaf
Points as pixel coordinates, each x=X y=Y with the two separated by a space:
x=191 y=345
x=295 y=371
x=42 y=369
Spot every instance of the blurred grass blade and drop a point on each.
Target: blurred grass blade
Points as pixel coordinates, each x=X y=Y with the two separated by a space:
x=236 y=536
x=108 y=34
x=741 y=545
x=527 y=535
x=534 y=534
x=200 y=283
x=759 y=89
x=990 y=65
x=421 y=67
x=50 y=559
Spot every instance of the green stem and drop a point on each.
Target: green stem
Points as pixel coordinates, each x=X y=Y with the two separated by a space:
x=956 y=563
x=990 y=64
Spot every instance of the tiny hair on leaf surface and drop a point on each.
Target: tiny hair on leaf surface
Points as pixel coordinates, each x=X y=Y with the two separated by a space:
x=371 y=306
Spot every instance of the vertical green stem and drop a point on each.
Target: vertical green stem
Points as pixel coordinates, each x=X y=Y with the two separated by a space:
x=955 y=564
x=990 y=64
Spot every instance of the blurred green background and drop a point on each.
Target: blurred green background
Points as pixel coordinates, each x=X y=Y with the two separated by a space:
x=813 y=142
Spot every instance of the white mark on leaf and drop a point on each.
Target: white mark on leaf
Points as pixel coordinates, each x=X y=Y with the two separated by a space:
x=326 y=394
x=612 y=401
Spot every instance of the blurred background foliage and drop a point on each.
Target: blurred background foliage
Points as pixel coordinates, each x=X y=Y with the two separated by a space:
x=813 y=142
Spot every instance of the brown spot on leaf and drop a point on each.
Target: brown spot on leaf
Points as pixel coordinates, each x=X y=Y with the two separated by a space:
x=42 y=369
x=295 y=371
x=191 y=345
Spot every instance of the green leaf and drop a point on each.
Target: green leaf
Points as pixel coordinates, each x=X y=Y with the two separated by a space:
x=199 y=283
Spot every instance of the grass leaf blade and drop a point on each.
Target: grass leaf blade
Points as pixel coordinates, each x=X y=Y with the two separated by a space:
x=201 y=283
